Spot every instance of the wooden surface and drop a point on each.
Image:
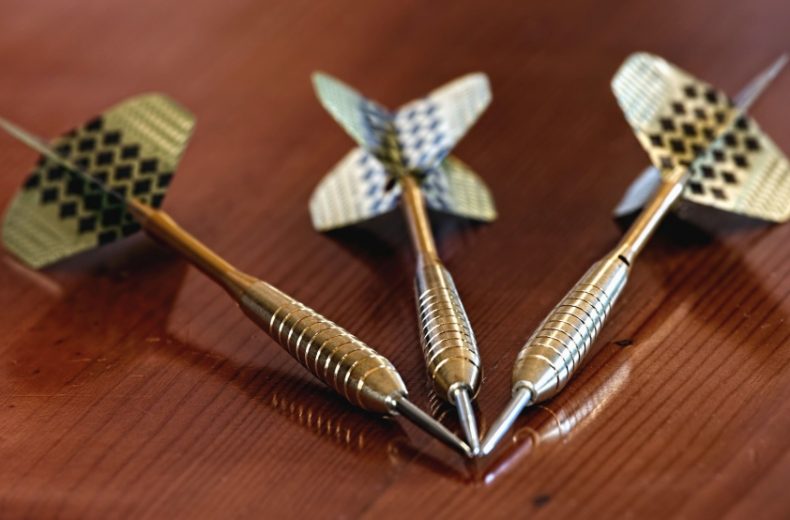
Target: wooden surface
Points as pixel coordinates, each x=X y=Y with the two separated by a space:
x=131 y=386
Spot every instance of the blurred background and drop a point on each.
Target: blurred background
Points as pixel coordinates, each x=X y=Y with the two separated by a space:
x=130 y=385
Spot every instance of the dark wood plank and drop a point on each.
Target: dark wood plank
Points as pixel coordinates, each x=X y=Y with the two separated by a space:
x=132 y=386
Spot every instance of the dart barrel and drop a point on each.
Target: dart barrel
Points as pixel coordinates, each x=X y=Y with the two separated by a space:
x=448 y=342
x=562 y=341
x=343 y=362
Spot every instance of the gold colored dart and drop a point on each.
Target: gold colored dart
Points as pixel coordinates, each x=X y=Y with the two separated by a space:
x=708 y=152
x=403 y=155
x=106 y=180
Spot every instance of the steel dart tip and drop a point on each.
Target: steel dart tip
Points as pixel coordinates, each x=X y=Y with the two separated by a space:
x=521 y=398
x=431 y=426
x=466 y=417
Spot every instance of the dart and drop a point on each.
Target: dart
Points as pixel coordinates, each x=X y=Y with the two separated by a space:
x=708 y=152
x=107 y=180
x=403 y=159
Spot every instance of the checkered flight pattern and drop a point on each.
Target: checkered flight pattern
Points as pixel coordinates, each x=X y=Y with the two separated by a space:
x=683 y=122
x=131 y=150
x=416 y=139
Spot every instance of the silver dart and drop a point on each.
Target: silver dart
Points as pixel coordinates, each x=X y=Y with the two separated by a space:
x=564 y=338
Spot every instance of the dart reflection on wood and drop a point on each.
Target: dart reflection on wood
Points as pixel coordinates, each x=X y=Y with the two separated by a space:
x=107 y=179
x=709 y=152
x=557 y=421
x=403 y=157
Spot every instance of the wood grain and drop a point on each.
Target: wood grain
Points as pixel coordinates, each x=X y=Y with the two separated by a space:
x=132 y=387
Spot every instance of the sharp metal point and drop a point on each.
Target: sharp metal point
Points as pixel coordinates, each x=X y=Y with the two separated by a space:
x=428 y=424
x=466 y=417
x=505 y=421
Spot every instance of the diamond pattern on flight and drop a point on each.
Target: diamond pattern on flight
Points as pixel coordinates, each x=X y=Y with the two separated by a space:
x=720 y=171
x=114 y=164
x=422 y=134
x=688 y=126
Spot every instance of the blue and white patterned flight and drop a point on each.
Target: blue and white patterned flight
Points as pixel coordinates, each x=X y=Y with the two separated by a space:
x=415 y=139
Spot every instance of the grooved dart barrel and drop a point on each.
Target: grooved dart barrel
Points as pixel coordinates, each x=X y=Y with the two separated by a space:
x=556 y=349
x=335 y=356
x=448 y=343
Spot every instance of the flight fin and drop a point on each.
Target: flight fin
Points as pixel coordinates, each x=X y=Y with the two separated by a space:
x=454 y=188
x=131 y=150
x=643 y=187
x=429 y=128
x=675 y=116
x=416 y=139
x=684 y=122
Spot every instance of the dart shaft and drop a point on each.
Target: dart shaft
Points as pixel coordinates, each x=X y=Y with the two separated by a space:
x=448 y=343
x=344 y=363
x=165 y=230
x=417 y=218
x=644 y=226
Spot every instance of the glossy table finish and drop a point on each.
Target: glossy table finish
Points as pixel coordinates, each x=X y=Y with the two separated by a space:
x=130 y=385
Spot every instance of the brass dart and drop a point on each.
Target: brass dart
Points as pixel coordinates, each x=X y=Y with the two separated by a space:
x=107 y=179
x=709 y=153
x=403 y=157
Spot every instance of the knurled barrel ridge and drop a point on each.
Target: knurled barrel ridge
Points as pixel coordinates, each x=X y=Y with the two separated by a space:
x=449 y=347
x=559 y=345
x=346 y=364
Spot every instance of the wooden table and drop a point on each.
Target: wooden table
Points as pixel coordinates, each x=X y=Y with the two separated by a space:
x=131 y=386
